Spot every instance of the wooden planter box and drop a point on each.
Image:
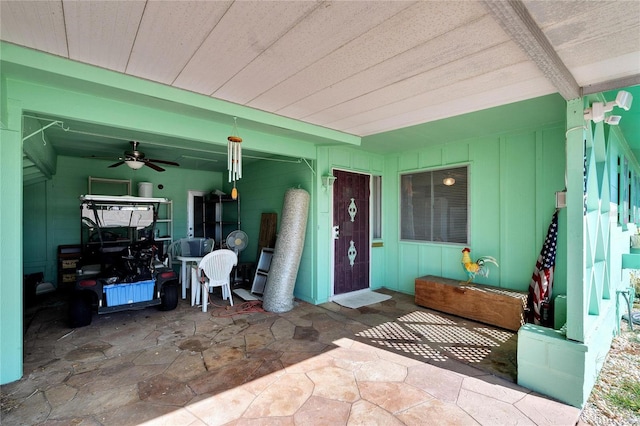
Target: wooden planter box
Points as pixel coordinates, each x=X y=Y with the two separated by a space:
x=491 y=305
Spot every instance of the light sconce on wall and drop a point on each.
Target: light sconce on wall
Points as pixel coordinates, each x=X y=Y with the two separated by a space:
x=598 y=109
x=327 y=180
x=449 y=181
x=134 y=164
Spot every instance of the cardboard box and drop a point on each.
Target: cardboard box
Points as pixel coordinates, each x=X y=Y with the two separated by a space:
x=122 y=294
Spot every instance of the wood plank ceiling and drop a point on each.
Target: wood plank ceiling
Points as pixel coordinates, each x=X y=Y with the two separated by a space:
x=359 y=67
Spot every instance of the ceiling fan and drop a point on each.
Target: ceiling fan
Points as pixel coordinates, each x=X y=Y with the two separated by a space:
x=135 y=159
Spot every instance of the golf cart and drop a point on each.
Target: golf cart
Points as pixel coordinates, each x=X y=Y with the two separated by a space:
x=120 y=267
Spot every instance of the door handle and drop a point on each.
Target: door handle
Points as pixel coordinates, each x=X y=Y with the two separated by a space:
x=335 y=232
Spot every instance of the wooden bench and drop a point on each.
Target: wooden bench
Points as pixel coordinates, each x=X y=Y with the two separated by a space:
x=491 y=305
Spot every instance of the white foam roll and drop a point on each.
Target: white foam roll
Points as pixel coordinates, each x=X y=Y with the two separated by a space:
x=278 y=290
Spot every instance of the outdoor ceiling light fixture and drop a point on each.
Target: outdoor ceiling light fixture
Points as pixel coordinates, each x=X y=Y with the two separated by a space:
x=134 y=164
x=598 y=109
x=449 y=181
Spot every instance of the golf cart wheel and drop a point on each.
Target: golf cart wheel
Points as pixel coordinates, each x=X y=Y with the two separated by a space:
x=80 y=312
x=169 y=298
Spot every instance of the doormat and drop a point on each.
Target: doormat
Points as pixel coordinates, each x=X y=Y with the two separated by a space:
x=360 y=298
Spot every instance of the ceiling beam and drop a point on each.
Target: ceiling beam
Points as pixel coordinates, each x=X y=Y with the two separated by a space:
x=514 y=18
x=605 y=86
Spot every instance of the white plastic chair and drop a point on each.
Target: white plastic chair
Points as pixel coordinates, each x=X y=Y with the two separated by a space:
x=173 y=251
x=214 y=270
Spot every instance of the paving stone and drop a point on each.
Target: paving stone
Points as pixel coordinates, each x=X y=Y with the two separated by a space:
x=160 y=355
x=60 y=394
x=88 y=352
x=94 y=403
x=501 y=412
x=162 y=390
x=148 y=413
x=32 y=410
x=221 y=408
x=283 y=398
x=392 y=396
x=195 y=344
x=225 y=378
x=217 y=357
x=381 y=370
x=334 y=383
x=186 y=366
x=441 y=384
x=436 y=412
x=322 y=411
x=283 y=329
x=364 y=413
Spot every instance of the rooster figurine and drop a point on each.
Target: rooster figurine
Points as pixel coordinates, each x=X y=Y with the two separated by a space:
x=479 y=267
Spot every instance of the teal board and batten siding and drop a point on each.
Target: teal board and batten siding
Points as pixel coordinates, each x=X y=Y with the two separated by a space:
x=262 y=189
x=513 y=179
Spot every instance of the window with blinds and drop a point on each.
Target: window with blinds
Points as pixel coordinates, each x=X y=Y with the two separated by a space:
x=434 y=205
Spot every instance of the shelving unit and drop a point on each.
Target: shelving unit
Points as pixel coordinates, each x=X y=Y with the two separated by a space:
x=226 y=216
x=164 y=224
x=68 y=259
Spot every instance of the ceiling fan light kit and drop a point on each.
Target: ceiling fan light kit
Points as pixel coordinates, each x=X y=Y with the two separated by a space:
x=135 y=160
x=134 y=164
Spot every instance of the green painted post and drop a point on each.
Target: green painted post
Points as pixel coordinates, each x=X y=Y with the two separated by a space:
x=10 y=256
x=576 y=298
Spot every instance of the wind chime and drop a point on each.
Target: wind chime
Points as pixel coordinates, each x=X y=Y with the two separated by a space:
x=234 y=158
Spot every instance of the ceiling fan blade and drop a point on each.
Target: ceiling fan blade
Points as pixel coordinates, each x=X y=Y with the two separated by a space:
x=97 y=157
x=154 y=167
x=119 y=163
x=170 y=163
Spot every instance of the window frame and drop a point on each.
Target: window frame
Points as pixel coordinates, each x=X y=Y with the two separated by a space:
x=431 y=170
x=376 y=204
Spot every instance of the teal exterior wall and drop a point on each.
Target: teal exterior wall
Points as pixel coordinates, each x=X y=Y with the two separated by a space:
x=513 y=180
x=262 y=190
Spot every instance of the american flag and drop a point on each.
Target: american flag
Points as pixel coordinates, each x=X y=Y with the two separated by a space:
x=542 y=278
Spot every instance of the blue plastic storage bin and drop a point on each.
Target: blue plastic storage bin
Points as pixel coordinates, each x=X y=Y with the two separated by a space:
x=122 y=294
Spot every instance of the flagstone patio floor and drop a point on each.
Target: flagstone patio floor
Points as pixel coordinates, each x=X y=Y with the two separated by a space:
x=391 y=363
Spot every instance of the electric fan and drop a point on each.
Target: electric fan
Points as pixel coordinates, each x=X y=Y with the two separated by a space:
x=237 y=240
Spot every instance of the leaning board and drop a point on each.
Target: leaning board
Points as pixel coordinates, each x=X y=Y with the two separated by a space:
x=491 y=305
